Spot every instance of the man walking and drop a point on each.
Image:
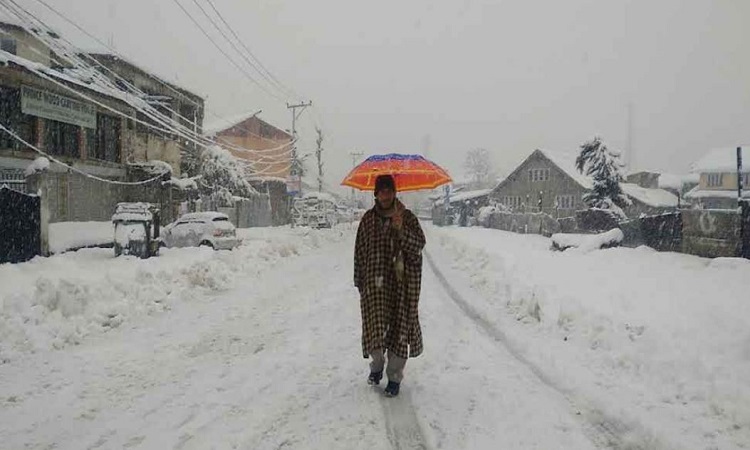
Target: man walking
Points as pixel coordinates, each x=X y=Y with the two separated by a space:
x=388 y=274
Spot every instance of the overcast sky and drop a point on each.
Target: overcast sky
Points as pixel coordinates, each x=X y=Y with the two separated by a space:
x=509 y=76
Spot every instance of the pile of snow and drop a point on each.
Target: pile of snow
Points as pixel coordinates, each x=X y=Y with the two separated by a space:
x=65 y=236
x=38 y=165
x=154 y=167
x=486 y=212
x=50 y=303
x=184 y=184
x=587 y=242
x=661 y=340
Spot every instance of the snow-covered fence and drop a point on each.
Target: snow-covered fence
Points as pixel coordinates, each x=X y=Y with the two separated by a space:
x=662 y=232
x=595 y=220
x=525 y=223
x=712 y=232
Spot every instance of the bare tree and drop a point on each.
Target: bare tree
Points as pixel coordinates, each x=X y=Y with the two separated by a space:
x=478 y=167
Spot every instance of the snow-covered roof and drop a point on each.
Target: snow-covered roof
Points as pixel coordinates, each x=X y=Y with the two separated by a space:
x=463 y=196
x=149 y=72
x=567 y=163
x=320 y=195
x=697 y=192
x=721 y=160
x=675 y=181
x=658 y=198
x=263 y=179
x=203 y=216
x=34 y=67
x=224 y=123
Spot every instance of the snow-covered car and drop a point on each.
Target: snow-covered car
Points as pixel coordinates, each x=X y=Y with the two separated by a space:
x=136 y=227
x=212 y=229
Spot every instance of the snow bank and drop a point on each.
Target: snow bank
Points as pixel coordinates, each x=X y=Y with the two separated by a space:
x=65 y=236
x=38 y=165
x=184 y=184
x=660 y=337
x=50 y=303
x=587 y=242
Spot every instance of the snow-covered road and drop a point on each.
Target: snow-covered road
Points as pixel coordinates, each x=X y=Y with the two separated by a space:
x=259 y=348
x=275 y=363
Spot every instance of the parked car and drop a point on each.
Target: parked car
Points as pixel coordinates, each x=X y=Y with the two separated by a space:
x=315 y=210
x=136 y=228
x=211 y=229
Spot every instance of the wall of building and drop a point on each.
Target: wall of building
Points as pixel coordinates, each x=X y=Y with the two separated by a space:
x=27 y=46
x=518 y=184
x=728 y=181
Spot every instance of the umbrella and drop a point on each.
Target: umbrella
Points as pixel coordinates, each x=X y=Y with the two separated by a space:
x=411 y=172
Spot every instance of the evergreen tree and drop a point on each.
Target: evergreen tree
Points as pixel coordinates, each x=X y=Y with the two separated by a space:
x=603 y=165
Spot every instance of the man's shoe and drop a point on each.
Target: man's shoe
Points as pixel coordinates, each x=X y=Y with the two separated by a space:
x=374 y=378
x=392 y=389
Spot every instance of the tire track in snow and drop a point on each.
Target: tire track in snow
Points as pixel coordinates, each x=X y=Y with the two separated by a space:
x=402 y=425
x=603 y=431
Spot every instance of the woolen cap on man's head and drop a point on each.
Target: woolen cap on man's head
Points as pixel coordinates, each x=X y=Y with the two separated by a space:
x=384 y=182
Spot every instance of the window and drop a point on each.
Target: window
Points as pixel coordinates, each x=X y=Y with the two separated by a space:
x=511 y=201
x=12 y=117
x=104 y=143
x=714 y=179
x=62 y=139
x=8 y=44
x=565 y=201
x=539 y=175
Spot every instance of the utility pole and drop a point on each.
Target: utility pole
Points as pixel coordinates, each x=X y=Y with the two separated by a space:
x=319 y=156
x=296 y=169
x=355 y=156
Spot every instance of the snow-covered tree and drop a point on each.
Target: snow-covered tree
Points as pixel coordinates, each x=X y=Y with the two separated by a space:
x=479 y=169
x=604 y=166
x=222 y=177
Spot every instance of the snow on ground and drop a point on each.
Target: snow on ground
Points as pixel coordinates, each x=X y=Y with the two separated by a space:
x=660 y=339
x=275 y=362
x=64 y=236
x=587 y=242
x=258 y=348
x=57 y=301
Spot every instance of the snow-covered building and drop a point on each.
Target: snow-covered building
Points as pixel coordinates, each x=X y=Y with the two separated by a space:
x=677 y=184
x=548 y=181
x=717 y=171
x=177 y=103
x=266 y=153
x=85 y=125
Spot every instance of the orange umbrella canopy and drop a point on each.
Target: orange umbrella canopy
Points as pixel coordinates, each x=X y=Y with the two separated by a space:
x=411 y=173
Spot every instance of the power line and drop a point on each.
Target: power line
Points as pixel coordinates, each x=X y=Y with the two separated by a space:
x=117 y=54
x=108 y=88
x=252 y=55
x=103 y=44
x=74 y=169
x=226 y=55
x=237 y=49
